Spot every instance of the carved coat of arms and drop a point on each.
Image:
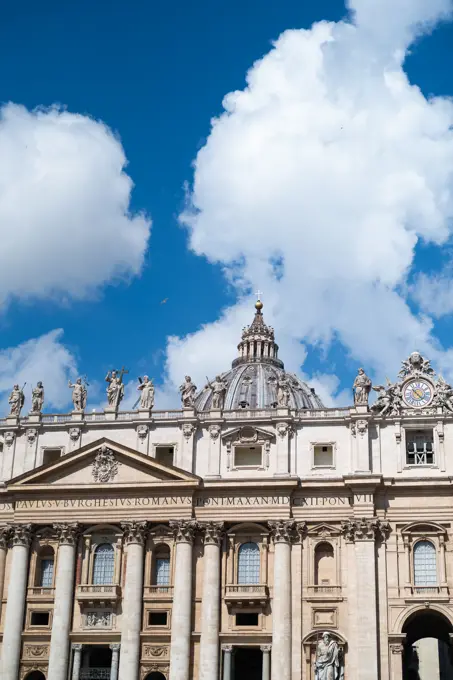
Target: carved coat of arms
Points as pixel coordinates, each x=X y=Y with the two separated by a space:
x=105 y=465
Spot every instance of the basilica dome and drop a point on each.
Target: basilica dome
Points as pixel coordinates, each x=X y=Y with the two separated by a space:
x=254 y=378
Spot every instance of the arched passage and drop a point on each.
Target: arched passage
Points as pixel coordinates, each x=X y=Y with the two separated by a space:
x=35 y=675
x=155 y=675
x=428 y=651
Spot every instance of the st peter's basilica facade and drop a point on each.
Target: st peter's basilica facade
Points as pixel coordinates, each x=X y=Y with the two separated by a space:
x=252 y=534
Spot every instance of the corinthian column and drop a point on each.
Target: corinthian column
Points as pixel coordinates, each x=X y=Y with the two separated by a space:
x=15 y=606
x=181 y=624
x=363 y=533
x=64 y=596
x=134 y=539
x=281 y=604
x=210 y=613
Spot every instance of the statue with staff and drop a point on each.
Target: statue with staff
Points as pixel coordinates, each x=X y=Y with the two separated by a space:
x=115 y=390
x=16 y=400
x=79 y=393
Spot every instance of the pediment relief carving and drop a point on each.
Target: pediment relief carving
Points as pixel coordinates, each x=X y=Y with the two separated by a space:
x=103 y=463
x=247 y=434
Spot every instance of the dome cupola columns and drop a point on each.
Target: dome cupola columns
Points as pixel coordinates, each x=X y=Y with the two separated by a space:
x=258 y=342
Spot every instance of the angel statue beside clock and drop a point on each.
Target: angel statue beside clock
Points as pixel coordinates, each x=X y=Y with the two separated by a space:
x=416 y=388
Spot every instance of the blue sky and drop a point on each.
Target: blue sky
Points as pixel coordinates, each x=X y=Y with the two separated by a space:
x=156 y=75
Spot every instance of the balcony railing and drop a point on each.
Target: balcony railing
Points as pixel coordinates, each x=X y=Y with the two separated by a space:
x=243 y=595
x=425 y=590
x=39 y=593
x=158 y=592
x=98 y=593
x=94 y=674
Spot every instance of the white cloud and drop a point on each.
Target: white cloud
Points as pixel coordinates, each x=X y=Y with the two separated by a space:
x=434 y=294
x=332 y=164
x=65 y=221
x=44 y=358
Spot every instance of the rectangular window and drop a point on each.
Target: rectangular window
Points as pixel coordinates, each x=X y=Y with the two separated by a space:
x=247 y=619
x=47 y=572
x=162 y=571
x=165 y=455
x=157 y=618
x=39 y=619
x=50 y=456
x=248 y=456
x=419 y=447
x=323 y=455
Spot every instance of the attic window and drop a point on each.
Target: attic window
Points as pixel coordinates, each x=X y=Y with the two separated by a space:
x=165 y=455
x=323 y=455
x=51 y=456
x=248 y=456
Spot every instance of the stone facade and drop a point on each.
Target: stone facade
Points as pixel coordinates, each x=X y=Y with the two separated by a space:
x=270 y=542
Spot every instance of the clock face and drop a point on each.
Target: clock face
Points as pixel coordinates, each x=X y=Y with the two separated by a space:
x=417 y=393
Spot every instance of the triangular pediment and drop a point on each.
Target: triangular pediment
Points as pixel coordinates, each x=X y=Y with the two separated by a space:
x=323 y=531
x=100 y=464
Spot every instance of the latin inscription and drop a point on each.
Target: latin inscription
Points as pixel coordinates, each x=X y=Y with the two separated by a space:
x=103 y=502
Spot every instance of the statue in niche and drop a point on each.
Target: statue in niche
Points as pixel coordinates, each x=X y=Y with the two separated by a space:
x=115 y=390
x=219 y=388
x=146 y=389
x=37 y=398
x=16 y=401
x=361 y=388
x=187 y=391
x=79 y=394
x=329 y=663
x=283 y=391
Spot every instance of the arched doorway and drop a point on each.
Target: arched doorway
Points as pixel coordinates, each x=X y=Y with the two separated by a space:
x=428 y=651
x=155 y=675
x=35 y=675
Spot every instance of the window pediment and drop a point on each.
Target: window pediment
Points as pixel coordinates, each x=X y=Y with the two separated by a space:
x=423 y=529
x=247 y=435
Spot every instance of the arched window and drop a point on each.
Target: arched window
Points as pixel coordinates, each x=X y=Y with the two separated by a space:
x=104 y=558
x=324 y=565
x=425 y=571
x=161 y=575
x=45 y=566
x=249 y=564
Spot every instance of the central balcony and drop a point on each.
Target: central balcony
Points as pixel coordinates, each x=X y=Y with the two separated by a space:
x=98 y=594
x=158 y=593
x=246 y=595
x=40 y=594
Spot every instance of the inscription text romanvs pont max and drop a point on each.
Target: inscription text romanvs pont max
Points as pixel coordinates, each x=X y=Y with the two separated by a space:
x=199 y=502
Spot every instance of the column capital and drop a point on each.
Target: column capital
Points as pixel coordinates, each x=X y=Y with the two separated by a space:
x=134 y=532
x=5 y=535
x=76 y=647
x=365 y=529
x=227 y=648
x=213 y=532
x=115 y=646
x=67 y=532
x=184 y=530
x=265 y=648
x=282 y=530
x=397 y=648
x=21 y=534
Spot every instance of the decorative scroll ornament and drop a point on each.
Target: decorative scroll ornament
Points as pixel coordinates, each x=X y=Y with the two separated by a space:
x=74 y=434
x=31 y=436
x=365 y=529
x=184 y=530
x=282 y=530
x=21 y=535
x=214 y=432
x=213 y=532
x=415 y=365
x=142 y=431
x=188 y=429
x=158 y=652
x=67 y=533
x=134 y=532
x=9 y=438
x=284 y=429
x=36 y=651
x=105 y=465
